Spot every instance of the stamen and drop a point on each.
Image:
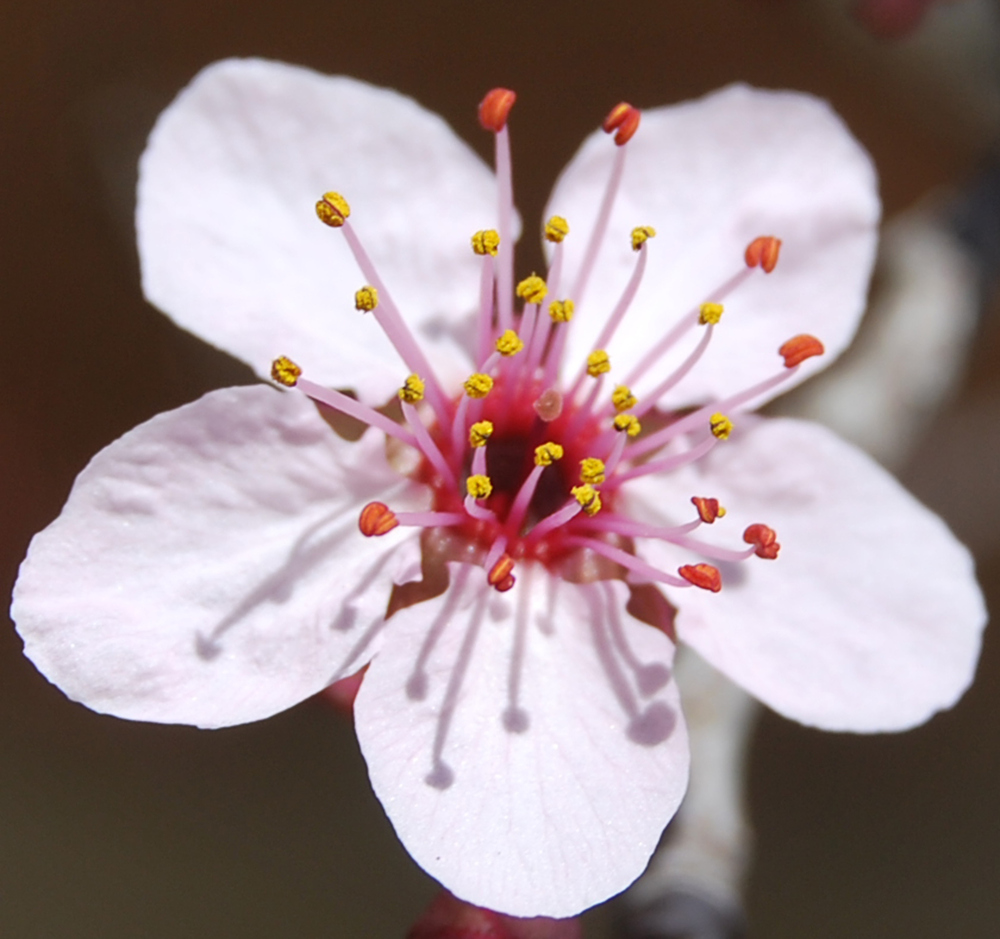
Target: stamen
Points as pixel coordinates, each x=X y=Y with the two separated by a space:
x=710 y=313
x=412 y=390
x=479 y=433
x=720 y=425
x=333 y=209
x=764 y=539
x=641 y=235
x=377 y=519
x=623 y=399
x=666 y=464
x=479 y=486
x=486 y=242
x=430 y=519
x=702 y=575
x=622 y=525
x=592 y=471
x=509 y=343
x=285 y=372
x=353 y=408
x=495 y=108
x=558 y=518
x=427 y=445
x=561 y=311
x=478 y=385
x=389 y=318
x=366 y=299
x=799 y=348
x=629 y=561
x=763 y=252
x=627 y=423
x=679 y=374
x=598 y=363
x=625 y=119
x=500 y=576
x=545 y=455
x=556 y=229
x=532 y=289
x=708 y=509
x=588 y=497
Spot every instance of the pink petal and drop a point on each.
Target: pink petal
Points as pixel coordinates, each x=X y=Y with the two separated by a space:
x=710 y=176
x=207 y=568
x=538 y=809
x=870 y=617
x=232 y=250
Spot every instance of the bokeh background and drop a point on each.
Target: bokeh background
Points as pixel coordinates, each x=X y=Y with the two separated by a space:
x=111 y=829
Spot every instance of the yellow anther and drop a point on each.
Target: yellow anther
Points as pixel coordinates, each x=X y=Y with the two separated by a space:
x=333 y=209
x=556 y=228
x=366 y=299
x=509 y=343
x=721 y=425
x=412 y=390
x=285 y=372
x=478 y=385
x=486 y=242
x=479 y=433
x=532 y=289
x=588 y=497
x=479 y=487
x=592 y=471
x=641 y=235
x=561 y=311
x=598 y=363
x=628 y=423
x=623 y=399
x=548 y=453
x=710 y=313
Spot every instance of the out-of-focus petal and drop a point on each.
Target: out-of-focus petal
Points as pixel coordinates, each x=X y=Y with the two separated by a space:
x=539 y=802
x=869 y=619
x=710 y=176
x=207 y=568
x=230 y=245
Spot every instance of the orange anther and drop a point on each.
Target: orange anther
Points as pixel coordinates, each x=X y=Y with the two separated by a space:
x=377 y=519
x=764 y=539
x=500 y=575
x=708 y=509
x=763 y=252
x=623 y=118
x=800 y=348
x=702 y=575
x=495 y=107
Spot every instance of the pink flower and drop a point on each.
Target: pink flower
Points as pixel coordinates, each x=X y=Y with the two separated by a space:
x=526 y=741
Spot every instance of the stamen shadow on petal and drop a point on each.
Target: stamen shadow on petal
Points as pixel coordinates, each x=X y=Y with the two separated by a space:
x=655 y=723
x=650 y=677
x=516 y=719
x=417 y=684
x=278 y=587
x=441 y=775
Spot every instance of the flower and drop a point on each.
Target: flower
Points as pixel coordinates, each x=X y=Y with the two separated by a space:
x=513 y=584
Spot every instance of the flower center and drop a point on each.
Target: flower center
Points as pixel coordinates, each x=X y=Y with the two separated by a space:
x=522 y=465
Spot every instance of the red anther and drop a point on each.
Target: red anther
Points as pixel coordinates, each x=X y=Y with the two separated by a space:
x=377 y=519
x=623 y=118
x=800 y=348
x=500 y=574
x=708 y=509
x=765 y=540
x=702 y=575
x=763 y=252
x=495 y=107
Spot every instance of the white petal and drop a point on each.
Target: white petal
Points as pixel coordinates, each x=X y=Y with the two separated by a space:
x=547 y=807
x=207 y=568
x=710 y=176
x=870 y=618
x=231 y=247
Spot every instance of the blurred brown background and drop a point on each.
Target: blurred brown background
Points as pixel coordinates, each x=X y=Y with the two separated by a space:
x=111 y=829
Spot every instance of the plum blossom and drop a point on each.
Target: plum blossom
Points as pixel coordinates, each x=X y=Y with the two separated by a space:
x=560 y=476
